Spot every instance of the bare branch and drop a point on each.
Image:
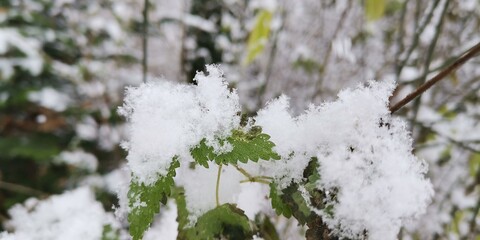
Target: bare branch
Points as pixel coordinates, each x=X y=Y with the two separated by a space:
x=144 y=39
x=472 y=52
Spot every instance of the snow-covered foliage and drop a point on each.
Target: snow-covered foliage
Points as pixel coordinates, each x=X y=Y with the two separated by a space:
x=64 y=65
x=372 y=180
x=365 y=157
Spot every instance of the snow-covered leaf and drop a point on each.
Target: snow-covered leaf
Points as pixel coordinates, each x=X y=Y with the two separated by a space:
x=144 y=201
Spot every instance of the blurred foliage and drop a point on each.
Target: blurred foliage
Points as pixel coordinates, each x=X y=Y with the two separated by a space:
x=33 y=134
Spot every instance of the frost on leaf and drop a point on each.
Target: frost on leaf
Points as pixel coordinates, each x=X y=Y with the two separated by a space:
x=144 y=201
x=252 y=145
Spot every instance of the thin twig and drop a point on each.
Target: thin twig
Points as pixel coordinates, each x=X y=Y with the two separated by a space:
x=326 y=58
x=461 y=144
x=271 y=59
x=431 y=49
x=13 y=187
x=399 y=41
x=250 y=178
x=242 y=171
x=416 y=38
x=217 y=187
x=145 y=39
x=424 y=87
x=255 y=180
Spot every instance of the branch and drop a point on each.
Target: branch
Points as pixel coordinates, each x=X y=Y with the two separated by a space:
x=13 y=187
x=416 y=37
x=144 y=39
x=472 y=52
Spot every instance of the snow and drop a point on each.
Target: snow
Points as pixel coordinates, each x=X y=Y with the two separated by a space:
x=32 y=62
x=79 y=159
x=87 y=129
x=74 y=215
x=342 y=48
x=269 y=5
x=364 y=155
x=50 y=98
x=166 y=120
x=200 y=185
x=165 y=225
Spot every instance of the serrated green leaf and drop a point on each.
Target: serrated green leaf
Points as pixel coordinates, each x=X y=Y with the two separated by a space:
x=226 y=220
x=277 y=203
x=144 y=201
x=259 y=35
x=252 y=145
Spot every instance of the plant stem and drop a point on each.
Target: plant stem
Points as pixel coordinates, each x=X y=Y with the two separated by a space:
x=255 y=180
x=242 y=171
x=250 y=178
x=218 y=185
x=475 y=50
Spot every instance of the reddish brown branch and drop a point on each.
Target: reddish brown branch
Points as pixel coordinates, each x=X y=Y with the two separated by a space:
x=472 y=52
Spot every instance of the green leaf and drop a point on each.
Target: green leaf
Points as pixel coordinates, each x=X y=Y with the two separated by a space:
x=184 y=232
x=226 y=220
x=474 y=164
x=110 y=233
x=374 y=9
x=144 y=201
x=252 y=145
x=277 y=203
x=259 y=35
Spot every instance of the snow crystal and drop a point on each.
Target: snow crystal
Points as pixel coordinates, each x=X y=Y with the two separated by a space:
x=364 y=155
x=72 y=215
x=166 y=120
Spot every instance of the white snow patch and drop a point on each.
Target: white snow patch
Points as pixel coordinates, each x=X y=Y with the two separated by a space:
x=50 y=98
x=79 y=159
x=72 y=215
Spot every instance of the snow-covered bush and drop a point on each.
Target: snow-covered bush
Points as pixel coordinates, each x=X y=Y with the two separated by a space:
x=349 y=161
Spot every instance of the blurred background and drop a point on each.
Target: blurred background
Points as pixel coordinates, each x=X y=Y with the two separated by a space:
x=64 y=65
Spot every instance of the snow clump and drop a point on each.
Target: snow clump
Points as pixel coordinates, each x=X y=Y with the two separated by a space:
x=167 y=119
x=367 y=169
